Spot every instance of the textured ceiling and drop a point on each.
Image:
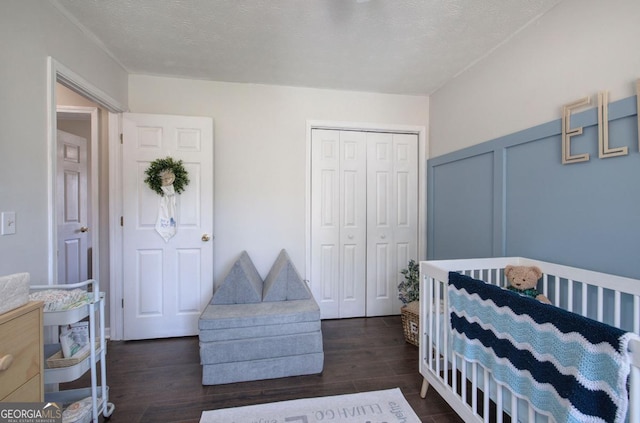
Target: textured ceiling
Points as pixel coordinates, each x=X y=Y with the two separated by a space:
x=386 y=46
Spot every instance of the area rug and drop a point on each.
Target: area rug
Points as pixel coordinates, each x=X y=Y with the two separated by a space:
x=387 y=406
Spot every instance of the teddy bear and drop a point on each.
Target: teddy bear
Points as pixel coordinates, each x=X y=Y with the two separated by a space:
x=523 y=280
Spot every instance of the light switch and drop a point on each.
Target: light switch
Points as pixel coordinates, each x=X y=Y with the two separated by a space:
x=8 y=223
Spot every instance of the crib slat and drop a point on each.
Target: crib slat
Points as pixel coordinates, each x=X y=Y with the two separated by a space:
x=636 y=314
x=616 y=309
x=499 y=405
x=463 y=379
x=485 y=397
x=584 y=310
x=446 y=329
x=570 y=295
x=514 y=408
x=454 y=373
x=532 y=413
x=474 y=387
x=437 y=295
x=600 y=304
x=429 y=299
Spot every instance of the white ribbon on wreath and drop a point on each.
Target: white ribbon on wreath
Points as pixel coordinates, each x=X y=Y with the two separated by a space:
x=166 y=224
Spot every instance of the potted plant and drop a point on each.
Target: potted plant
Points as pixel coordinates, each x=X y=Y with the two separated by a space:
x=409 y=294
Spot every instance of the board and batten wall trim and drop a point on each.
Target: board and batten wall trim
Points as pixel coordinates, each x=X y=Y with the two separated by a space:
x=512 y=196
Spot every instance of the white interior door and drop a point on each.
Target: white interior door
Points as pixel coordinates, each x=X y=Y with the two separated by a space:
x=364 y=224
x=392 y=217
x=166 y=285
x=72 y=204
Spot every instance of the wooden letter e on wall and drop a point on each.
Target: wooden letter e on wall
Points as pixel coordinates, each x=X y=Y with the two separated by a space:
x=568 y=132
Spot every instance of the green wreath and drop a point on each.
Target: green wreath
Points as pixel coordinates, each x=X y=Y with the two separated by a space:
x=154 y=179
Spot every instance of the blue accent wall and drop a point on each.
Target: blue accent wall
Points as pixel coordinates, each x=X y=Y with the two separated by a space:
x=512 y=196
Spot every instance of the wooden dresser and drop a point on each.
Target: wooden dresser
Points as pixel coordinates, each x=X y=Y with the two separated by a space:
x=21 y=354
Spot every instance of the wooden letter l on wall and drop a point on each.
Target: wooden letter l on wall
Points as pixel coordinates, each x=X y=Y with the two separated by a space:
x=603 y=129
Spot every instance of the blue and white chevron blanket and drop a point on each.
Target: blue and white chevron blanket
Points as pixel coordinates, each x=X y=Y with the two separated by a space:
x=569 y=367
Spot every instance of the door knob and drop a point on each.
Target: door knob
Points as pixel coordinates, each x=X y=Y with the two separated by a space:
x=383 y=236
x=206 y=237
x=84 y=229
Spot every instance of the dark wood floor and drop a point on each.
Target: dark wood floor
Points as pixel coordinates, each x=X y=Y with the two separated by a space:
x=161 y=380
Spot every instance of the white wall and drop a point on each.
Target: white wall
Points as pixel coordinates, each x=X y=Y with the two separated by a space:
x=260 y=153
x=577 y=49
x=32 y=30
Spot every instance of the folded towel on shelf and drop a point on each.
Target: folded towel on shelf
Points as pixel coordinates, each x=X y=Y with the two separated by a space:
x=567 y=366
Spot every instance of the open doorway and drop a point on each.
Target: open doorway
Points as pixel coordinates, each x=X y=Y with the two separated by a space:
x=88 y=120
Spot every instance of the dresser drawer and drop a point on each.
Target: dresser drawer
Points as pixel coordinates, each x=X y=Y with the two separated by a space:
x=20 y=337
x=29 y=392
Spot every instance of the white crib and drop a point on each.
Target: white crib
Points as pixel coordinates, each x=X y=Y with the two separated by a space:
x=606 y=298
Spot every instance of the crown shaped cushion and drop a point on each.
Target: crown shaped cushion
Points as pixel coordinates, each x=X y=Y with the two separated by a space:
x=242 y=285
x=283 y=282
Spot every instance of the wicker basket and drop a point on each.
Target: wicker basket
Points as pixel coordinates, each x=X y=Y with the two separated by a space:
x=57 y=360
x=411 y=322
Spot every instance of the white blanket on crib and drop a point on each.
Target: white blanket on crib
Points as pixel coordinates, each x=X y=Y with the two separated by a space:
x=567 y=366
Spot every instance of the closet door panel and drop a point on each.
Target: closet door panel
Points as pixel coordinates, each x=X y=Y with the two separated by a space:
x=406 y=201
x=325 y=221
x=380 y=218
x=392 y=219
x=353 y=218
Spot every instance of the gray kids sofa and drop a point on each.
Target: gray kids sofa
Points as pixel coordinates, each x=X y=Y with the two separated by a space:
x=255 y=329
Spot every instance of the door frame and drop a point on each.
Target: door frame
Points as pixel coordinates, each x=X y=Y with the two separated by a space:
x=59 y=73
x=423 y=153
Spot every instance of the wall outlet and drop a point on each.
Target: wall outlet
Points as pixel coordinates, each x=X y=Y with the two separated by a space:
x=8 y=223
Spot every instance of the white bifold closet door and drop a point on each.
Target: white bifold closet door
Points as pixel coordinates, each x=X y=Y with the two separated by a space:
x=364 y=219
